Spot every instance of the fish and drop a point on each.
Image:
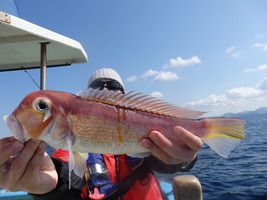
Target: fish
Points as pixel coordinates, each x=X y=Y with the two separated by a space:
x=109 y=122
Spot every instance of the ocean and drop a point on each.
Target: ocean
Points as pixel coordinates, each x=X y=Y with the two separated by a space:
x=241 y=176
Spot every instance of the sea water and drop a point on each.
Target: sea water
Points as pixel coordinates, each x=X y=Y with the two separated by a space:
x=241 y=176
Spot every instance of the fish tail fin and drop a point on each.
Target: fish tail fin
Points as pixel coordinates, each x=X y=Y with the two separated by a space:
x=223 y=134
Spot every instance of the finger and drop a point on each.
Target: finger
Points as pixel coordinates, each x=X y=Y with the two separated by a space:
x=167 y=149
x=6 y=166
x=6 y=140
x=32 y=171
x=158 y=151
x=159 y=139
x=155 y=150
x=41 y=171
x=9 y=147
x=188 y=138
x=19 y=164
x=33 y=166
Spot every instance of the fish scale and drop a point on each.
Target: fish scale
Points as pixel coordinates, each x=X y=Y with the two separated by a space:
x=102 y=131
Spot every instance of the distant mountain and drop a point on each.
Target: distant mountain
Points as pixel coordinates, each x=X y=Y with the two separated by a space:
x=262 y=110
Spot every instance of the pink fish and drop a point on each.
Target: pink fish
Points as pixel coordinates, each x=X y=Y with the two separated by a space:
x=107 y=122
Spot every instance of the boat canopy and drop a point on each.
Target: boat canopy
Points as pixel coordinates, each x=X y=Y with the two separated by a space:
x=20 y=45
x=24 y=45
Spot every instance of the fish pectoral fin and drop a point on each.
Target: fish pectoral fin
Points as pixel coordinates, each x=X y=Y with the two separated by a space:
x=79 y=163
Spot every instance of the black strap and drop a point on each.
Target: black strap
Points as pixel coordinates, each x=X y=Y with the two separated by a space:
x=138 y=173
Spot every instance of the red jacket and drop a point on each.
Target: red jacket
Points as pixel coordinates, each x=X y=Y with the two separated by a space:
x=145 y=189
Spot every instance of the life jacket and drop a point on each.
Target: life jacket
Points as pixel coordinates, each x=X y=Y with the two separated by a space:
x=120 y=176
x=144 y=188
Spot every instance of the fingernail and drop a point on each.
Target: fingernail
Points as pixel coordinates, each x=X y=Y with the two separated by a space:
x=34 y=141
x=42 y=145
x=145 y=143
x=153 y=135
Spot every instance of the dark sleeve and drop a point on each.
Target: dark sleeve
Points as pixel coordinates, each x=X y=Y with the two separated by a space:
x=62 y=190
x=160 y=167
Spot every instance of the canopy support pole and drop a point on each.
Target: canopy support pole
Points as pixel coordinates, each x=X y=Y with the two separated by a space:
x=43 y=65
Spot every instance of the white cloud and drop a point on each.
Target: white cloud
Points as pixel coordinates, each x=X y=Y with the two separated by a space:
x=260 y=45
x=259 y=68
x=243 y=92
x=161 y=75
x=131 y=78
x=211 y=100
x=236 y=98
x=230 y=50
x=150 y=72
x=262 y=67
x=157 y=94
x=233 y=52
x=236 y=54
x=259 y=36
x=175 y=62
x=165 y=76
x=263 y=84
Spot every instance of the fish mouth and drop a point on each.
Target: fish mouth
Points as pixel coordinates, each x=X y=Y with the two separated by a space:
x=16 y=128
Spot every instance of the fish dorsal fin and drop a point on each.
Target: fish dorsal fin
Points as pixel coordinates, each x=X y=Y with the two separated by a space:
x=138 y=101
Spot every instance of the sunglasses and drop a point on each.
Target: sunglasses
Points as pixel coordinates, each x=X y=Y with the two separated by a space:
x=110 y=85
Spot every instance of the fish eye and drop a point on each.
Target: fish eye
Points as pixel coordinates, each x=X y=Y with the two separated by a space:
x=42 y=106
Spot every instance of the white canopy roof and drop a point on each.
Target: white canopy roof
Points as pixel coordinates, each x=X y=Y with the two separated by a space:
x=20 y=45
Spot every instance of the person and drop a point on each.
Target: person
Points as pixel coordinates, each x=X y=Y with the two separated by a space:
x=108 y=176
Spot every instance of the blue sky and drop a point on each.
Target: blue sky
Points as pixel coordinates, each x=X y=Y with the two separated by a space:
x=204 y=55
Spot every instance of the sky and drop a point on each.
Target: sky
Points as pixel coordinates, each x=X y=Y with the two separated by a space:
x=203 y=55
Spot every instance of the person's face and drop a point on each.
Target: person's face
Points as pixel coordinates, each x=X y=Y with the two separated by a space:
x=108 y=84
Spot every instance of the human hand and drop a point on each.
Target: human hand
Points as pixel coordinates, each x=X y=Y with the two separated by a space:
x=32 y=170
x=181 y=146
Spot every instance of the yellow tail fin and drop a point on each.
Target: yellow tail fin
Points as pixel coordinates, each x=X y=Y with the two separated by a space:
x=224 y=134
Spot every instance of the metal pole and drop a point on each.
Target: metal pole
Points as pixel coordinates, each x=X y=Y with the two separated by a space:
x=43 y=65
